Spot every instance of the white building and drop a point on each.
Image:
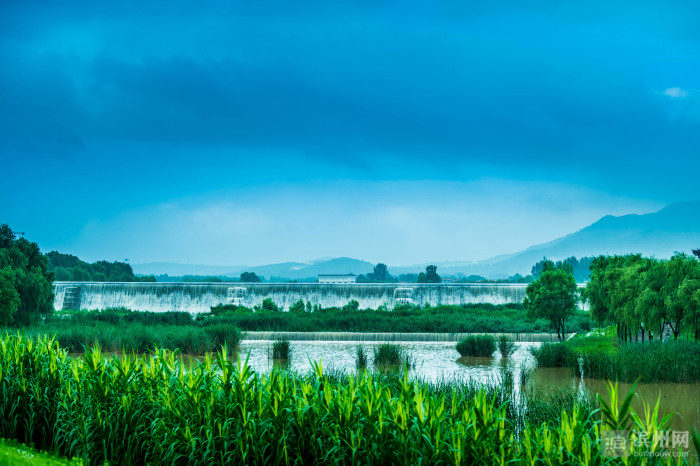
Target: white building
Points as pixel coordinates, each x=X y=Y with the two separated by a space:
x=337 y=279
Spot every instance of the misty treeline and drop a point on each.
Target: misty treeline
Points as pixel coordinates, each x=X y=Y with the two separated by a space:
x=67 y=267
x=579 y=268
x=25 y=280
x=641 y=295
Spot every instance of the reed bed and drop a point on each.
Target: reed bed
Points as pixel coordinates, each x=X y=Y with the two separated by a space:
x=506 y=346
x=388 y=356
x=361 y=359
x=281 y=349
x=477 y=345
x=139 y=338
x=672 y=361
x=157 y=409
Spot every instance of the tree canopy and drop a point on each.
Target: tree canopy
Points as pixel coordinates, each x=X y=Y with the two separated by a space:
x=641 y=294
x=430 y=275
x=553 y=296
x=380 y=274
x=69 y=268
x=250 y=277
x=25 y=280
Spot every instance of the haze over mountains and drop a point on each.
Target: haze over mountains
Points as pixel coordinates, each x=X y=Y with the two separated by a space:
x=659 y=234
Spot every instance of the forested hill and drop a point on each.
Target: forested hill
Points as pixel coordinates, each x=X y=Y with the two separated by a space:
x=67 y=267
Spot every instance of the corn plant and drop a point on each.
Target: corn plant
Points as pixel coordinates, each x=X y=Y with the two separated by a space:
x=160 y=409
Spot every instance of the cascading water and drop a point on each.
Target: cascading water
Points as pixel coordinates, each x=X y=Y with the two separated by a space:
x=200 y=297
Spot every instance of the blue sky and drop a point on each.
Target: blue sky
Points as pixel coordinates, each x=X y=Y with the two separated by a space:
x=403 y=132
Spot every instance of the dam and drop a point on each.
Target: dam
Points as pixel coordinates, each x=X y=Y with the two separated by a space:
x=198 y=298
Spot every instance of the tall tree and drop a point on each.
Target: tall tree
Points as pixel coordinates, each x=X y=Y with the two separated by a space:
x=553 y=296
x=381 y=273
x=23 y=261
x=250 y=277
x=430 y=275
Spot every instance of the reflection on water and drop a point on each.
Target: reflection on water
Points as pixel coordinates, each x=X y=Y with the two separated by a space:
x=434 y=360
x=684 y=399
x=440 y=360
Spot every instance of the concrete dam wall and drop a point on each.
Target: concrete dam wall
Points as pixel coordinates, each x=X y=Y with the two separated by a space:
x=200 y=297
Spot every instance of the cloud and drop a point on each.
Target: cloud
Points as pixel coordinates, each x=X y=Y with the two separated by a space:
x=395 y=222
x=676 y=92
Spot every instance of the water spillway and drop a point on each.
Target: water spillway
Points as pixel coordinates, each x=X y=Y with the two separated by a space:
x=200 y=297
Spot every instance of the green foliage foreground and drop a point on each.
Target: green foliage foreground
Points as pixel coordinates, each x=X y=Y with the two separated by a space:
x=156 y=409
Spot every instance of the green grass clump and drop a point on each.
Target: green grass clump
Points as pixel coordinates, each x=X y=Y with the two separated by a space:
x=388 y=355
x=281 y=349
x=506 y=346
x=477 y=345
x=554 y=355
x=13 y=453
x=360 y=358
x=157 y=409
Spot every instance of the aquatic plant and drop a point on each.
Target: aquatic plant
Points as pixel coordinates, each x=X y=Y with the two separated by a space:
x=388 y=355
x=506 y=346
x=281 y=349
x=477 y=345
x=156 y=409
x=360 y=358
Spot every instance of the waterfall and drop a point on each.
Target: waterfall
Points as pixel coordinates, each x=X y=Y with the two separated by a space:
x=200 y=297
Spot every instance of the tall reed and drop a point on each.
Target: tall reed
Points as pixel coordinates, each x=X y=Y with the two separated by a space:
x=281 y=349
x=506 y=346
x=388 y=355
x=157 y=409
x=360 y=358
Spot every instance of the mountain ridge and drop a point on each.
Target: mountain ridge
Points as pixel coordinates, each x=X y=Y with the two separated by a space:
x=676 y=227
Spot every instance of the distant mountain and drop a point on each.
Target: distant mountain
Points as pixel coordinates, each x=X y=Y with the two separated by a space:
x=296 y=270
x=291 y=270
x=660 y=234
x=175 y=269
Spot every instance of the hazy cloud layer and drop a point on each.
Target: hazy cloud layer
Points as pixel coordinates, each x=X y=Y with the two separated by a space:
x=110 y=112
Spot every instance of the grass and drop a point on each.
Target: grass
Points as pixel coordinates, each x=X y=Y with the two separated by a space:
x=388 y=355
x=600 y=356
x=477 y=345
x=13 y=453
x=506 y=346
x=361 y=359
x=118 y=329
x=157 y=409
x=281 y=349
x=476 y=318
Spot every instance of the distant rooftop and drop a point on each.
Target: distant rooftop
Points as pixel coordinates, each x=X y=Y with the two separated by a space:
x=336 y=275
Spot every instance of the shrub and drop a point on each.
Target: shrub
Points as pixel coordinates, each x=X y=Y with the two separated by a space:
x=224 y=335
x=554 y=355
x=269 y=305
x=281 y=349
x=360 y=358
x=298 y=307
x=388 y=355
x=506 y=346
x=477 y=345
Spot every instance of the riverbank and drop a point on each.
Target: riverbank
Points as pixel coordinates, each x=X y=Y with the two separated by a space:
x=599 y=355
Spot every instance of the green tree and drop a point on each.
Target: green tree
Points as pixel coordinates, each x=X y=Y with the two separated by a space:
x=31 y=277
x=298 y=307
x=269 y=305
x=430 y=275
x=250 y=277
x=553 y=296
x=9 y=297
